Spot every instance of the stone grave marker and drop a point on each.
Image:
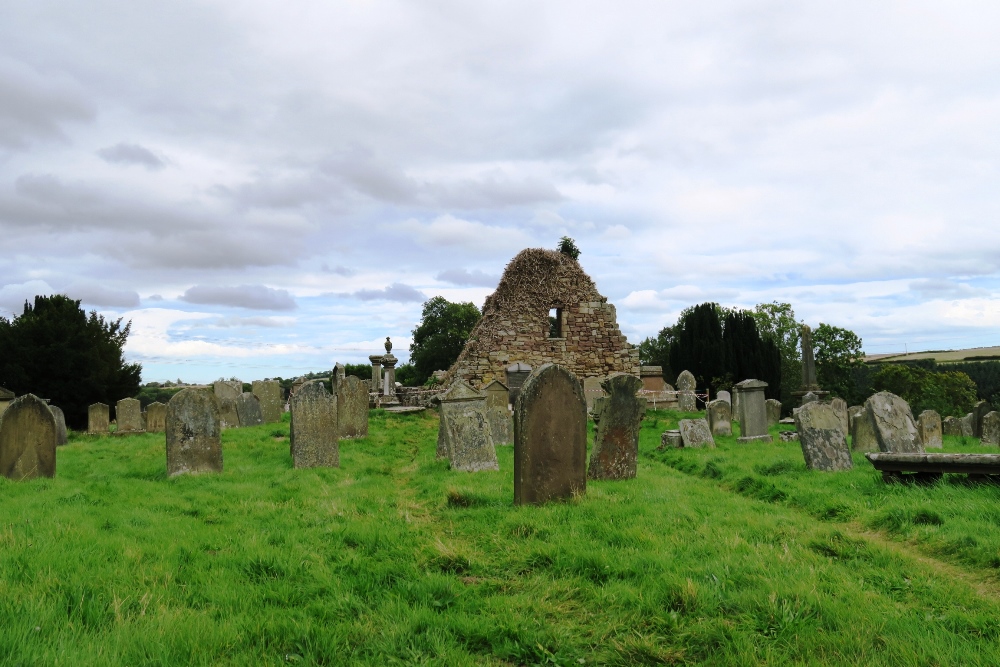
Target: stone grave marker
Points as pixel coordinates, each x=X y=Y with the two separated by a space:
x=98 y=419
x=27 y=439
x=352 y=407
x=809 y=397
x=517 y=374
x=498 y=413
x=893 y=423
x=980 y=410
x=193 y=432
x=268 y=392
x=991 y=428
x=839 y=406
x=550 y=437
x=686 y=385
x=230 y=416
x=929 y=429
x=128 y=416
x=230 y=389
x=696 y=433
x=951 y=426
x=720 y=417
x=737 y=414
x=338 y=375
x=822 y=438
x=671 y=439
x=60 y=417
x=156 y=417
x=248 y=410
x=616 y=436
x=592 y=390
x=852 y=412
x=725 y=396
x=773 y=407
x=466 y=430
x=968 y=425
x=863 y=433
x=753 y=412
x=6 y=396
x=314 y=432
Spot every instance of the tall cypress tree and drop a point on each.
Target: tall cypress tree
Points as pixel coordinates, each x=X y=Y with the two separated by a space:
x=698 y=346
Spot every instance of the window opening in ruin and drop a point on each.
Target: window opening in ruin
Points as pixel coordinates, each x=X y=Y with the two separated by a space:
x=555 y=323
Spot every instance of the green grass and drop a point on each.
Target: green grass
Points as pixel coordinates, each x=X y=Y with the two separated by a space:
x=731 y=556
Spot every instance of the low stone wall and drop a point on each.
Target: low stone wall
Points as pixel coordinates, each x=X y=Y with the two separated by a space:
x=417 y=397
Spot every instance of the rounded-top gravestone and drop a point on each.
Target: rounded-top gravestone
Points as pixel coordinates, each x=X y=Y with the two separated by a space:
x=616 y=438
x=193 y=426
x=27 y=439
x=248 y=410
x=893 y=423
x=61 y=437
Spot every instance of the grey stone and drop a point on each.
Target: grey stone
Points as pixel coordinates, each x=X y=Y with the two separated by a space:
x=248 y=410
x=376 y=381
x=788 y=436
x=616 y=438
x=338 y=375
x=313 y=430
x=724 y=396
x=550 y=437
x=980 y=410
x=592 y=390
x=671 y=439
x=466 y=430
x=753 y=411
x=720 y=417
x=517 y=374
x=686 y=399
x=991 y=428
x=498 y=413
x=773 y=407
x=98 y=419
x=230 y=415
x=352 y=408
x=863 y=433
x=951 y=426
x=156 y=417
x=809 y=397
x=686 y=381
x=230 y=389
x=268 y=392
x=497 y=395
x=852 y=412
x=737 y=408
x=821 y=435
x=193 y=433
x=893 y=422
x=929 y=429
x=696 y=433
x=27 y=439
x=968 y=423
x=60 y=417
x=128 y=415
x=839 y=406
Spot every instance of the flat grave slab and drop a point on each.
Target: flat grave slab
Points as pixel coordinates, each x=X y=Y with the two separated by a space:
x=932 y=466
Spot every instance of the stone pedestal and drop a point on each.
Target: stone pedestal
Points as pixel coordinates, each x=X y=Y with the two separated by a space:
x=376 y=383
x=753 y=411
x=389 y=381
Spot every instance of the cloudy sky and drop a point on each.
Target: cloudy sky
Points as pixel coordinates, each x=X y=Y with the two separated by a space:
x=265 y=188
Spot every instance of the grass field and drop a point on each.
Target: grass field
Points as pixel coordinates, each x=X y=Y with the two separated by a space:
x=941 y=356
x=731 y=556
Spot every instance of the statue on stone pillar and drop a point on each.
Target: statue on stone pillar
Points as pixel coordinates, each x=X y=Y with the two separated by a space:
x=388 y=345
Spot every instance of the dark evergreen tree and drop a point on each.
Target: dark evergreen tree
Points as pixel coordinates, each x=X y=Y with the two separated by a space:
x=748 y=355
x=697 y=345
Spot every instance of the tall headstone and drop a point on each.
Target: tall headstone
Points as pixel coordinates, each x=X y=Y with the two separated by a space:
x=616 y=438
x=695 y=433
x=268 y=392
x=893 y=422
x=929 y=429
x=720 y=417
x=466 y=430
x=839 y=406
x=338 y=375
x=517 y=373
x=822 y=438
x=156 y=417
x=194 y=440
x=980 y=410
x=773 y=407
x=951 y=426
x=686 y=385
x=60 y=417
x=314 y=427
x=230 y=389
x=852 y=412
x=27 y=439
x=737 y=408
x=498 y=413
x=230 y=416
x=753 y=417
x=248 y=410
x=352 y=408
x=550 y=437
x=128 y=415
x=98 y=419
x=968 y=423
x=863 y=433
x=809 y=384
x=991 y=428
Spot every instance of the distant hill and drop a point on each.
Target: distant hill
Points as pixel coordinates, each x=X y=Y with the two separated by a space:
x=941 y=356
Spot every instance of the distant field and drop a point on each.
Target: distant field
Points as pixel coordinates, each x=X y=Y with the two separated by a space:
x=939 y=356
x=728 y=556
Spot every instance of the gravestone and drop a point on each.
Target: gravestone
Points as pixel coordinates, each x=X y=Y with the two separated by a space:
x=616 y=437
x=753 y=422
x=809 y=397
x=788 y=436
x=6 y=396
x=893 y=423
x=352 y=408
x=466 y=430
x=852 y=412
x=227 y=410
x=720 y=417
x=929 y=429
x=652 y=379
x=968 y=425
x=737 y=414
x=60 y=417
x=839 y=406
x=695 y=433
x=773 y=407
x=686 y=385
x=991 y=428
x=497 y=395
x=671 y=439
x=725 y=396
x=980 y=410
x=193 y=430
x=27 y=439
x=592 y=390
x=156 y=417
x=498 y=413
x=951 y=426
x=268 y=392
x=822 y=438
x=128 y=416
x=230 y=389
x=248 y=410
x=338 y=375
x=98 y=419
x=863 y=434
x=517 y=374
x=314 y=427
x=550 y=437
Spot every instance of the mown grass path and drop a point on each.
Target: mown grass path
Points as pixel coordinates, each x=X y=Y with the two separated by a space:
x=729 y=556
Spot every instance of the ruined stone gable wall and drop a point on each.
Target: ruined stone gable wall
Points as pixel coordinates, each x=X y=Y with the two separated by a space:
x=515 y=324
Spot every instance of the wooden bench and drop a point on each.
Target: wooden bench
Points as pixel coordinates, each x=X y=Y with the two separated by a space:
x=930 y=467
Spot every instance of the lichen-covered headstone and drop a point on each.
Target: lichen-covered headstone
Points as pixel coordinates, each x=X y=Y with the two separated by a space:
x=466 y=430
x=156 y=417
x=839 y=406
x=853 y=412
x=753 y=412
x=550 y=437
x=893 y=423
x=230 y=389
x=929 y=429
x=128 y=416
x=695 y=433
x=228 y=412
x=980 y=410
x=773 y=407
x=498 y=413
x=686 y=385
x=313 y=429
x=863 y=433
x=248 y=410
x=720 y=417
x=725 y=396
x=821 y=436
x=951 y=426
x=60 y=417
x=991 y=428
x=27 y=439
x=616 y=437
x=268 y=392
x=968 y=425
x=671 y=439
x=98 y=419
x=193 y=431
x=809 y=397
x=352 y=407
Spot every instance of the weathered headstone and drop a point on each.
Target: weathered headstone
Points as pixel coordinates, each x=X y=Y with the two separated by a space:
x=863 y=433
x=517 y=374
x=737 y=408
x=352 y=408
x=671 y=439
x=497 y=395
x=248 y=410
x=194 y=441
x=839 y=406
x=128 y=416
x=980 y=410
x=498 y=413
x=466 y=430
x=852 y=412
x=753 y=412
x=592 y=390
x=893 y=423
x=338 y=375
x=951 y=426
x=725 y=396
x=809 y=397
x=60 y=417
x=550 y=437
x=929 y=429
x=686 y=385
x=314 y=427
x=156 y=417
x=773 y=407
x=268 y=392
x=616 y=437
x=227 y=389
x=720 y=417
x=968 y=425
x=227 y=410
x=695 y=433
x=821 y=435
x=98 y=419
x=991 y=428
x=27 y=439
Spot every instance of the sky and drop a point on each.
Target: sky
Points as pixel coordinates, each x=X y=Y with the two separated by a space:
x=266 y=188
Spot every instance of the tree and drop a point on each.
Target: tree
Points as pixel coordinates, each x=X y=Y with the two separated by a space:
x=697 y=346
x=838 y=353
x=55 y=351
x=950 y=393
x=439 y=338
x=567 y=246
x=747 y=355
x=776 y=322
